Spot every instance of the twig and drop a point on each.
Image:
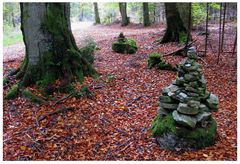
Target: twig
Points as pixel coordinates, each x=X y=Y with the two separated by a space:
x=61 y=110
x=64 y=98
x=32 y=139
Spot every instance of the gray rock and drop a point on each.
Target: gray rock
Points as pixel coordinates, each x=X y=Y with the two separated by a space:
x=161 y=111
x=184 y=120
x=180 y=81
x=169 y=106
x=203 y=116
x=212 y=102
x=203 y=107
x=193 y=104
x=170 y=88
x=206 y=95
x=192 y=53
x=185 y=109
x=191 y=89
x=165 y=99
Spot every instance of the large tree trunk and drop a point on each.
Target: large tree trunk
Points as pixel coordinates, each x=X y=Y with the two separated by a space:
x=177 y=22
x=123 y=11
x=146 y=20
x=51 y=51
x=97 y=18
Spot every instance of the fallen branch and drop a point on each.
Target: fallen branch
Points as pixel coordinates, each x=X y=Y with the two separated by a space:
x=64 y=98
x=61 y=110
x=180 y=50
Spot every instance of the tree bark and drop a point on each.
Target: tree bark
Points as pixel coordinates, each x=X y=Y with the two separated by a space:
x=97 y=18
x=177 y=22
x=123 y=12
x=146 y=20
x=51 y=50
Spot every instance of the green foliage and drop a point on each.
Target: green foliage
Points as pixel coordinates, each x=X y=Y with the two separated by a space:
x=28 y=94
x=162 y=125
x=66 y=88
x=13 y=92
x=5 y=80
x=182 y=37
x=87 y=51
x=10 y=38
x=109 y=12
x=84 y=91
x=198 y=13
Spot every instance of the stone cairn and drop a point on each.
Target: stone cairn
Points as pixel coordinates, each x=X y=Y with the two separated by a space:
x=189 y=104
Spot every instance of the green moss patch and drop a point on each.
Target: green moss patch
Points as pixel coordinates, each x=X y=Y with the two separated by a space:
x=28 y=94
x=162 y=125
x=13 y=93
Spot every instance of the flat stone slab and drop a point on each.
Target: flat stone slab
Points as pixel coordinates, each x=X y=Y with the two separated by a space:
x=184 y=120
x=169 y=106
x=185 y=109
x=203 y=116
x=170 y=88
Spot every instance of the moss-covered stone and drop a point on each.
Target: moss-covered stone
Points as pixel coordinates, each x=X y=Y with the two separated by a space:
x=156 y=59
x=171 y=136
x=124 y=46
x=28 y=94
x=13 y=92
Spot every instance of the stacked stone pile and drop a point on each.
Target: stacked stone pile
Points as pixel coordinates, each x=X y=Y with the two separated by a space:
x=186 y=100
x=187 y=97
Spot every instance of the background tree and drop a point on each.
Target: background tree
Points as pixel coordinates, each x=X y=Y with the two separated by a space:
x=177 y=22
x=97 y=18
x=51 y=51
x=123 y=12
x=146 y=20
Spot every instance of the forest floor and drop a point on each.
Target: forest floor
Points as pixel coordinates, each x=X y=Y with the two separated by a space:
x=115 y=123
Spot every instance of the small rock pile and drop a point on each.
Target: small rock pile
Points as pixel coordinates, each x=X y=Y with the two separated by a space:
x=187 y=100
x=124 y=45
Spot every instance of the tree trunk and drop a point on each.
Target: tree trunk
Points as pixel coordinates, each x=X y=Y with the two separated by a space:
x=97 y=18
x=123 y=11
x=13 y=21
x=146 y=20
x=177 y=22
x=51 y=51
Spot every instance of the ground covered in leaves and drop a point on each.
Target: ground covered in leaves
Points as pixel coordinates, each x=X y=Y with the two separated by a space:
x=115 y=123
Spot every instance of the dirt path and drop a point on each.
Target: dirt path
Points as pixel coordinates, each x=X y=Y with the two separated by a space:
x=115 y=125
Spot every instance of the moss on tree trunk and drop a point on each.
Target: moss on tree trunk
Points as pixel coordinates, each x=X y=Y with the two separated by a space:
x=52 y=54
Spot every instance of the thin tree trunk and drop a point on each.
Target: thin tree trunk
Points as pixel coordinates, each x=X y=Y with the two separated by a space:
x=13 y=21
x=220 y=30
x=223 y=26
x=97 y=18
x=189 y=26
x=206 y=32
x=51 y=50
x=123 y=12
x=146 y=19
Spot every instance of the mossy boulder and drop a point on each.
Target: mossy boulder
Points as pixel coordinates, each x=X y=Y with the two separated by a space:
x=171 y=136
x=124 y=45
x=156 y=60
